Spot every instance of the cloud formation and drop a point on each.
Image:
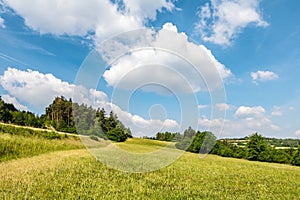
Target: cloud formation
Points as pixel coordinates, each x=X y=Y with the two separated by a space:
x=248 y=121
x=173 y=62
x=220 y=21
x=100 y=18
x=263 y=76
x=40 y=89
x=248 y=112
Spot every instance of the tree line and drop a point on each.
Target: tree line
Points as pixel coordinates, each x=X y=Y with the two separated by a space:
x=257 y=148
x=66 y=116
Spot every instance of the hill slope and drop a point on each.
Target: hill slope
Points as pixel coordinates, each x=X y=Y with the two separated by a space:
x=75 y=174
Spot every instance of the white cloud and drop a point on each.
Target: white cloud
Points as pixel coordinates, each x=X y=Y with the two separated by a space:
x=249 y=120
x=297 y=133
x=76 y=17
x=145 y=9
x=263 y=76
x=101 y=19
x=39 y=90
x=244 y=112
x=220 y=21
x=2 y=25
x=276 y=111
x=14 y=101
x=202 y=106
x=224 y=106
x=172 y=55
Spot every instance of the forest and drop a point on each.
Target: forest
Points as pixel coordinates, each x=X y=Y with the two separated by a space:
x=59 y=116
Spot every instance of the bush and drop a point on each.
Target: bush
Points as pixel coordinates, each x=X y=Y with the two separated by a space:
x=296 y=157
x=116 y=134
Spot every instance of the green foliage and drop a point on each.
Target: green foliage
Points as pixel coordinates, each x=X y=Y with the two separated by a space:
x=203 y=142
x=256 y=148
x=9 y=114
x=296 y=157
x=168 y=136
x=279 y=156
x=5 y=111
x=189 y=133
x=113 y=128
x=60 y=115
x=196 y=142
x=116 y=134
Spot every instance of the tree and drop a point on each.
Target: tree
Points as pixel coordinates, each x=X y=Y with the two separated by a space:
x=5 y=111
x=189 y=133
x=116 y=134
x=296 y=157
x=257 y=148
x=168 y=136
x=203 y=142
x=60 y=114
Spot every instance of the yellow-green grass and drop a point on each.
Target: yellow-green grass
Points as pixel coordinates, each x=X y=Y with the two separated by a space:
x=75 y=174
x=18 y=142
x=143 y=145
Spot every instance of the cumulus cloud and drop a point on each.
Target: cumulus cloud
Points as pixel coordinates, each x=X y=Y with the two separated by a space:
x=38 y=90
x=73 y=17
x=101 y=18
x=91 y=18
x=263 y=76
x=249 y=112
x=2 y=25
x=220 y=21
x=189 y=67
x=248 y=120
x=14 y=101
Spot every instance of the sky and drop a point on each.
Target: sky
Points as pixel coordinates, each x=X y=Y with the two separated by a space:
x=228 y=66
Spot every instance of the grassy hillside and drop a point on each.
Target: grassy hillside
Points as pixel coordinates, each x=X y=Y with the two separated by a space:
x=75 y=174
x=17 y=142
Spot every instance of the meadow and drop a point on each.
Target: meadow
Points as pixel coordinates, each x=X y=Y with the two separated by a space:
x=76 y=174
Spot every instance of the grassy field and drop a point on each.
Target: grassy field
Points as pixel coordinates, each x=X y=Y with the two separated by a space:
x=75 y=174
x=17 y=142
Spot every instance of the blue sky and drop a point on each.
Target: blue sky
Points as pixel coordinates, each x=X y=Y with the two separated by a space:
x=246 y=51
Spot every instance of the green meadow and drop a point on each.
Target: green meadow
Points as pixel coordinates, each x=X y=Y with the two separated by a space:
x=40 y=167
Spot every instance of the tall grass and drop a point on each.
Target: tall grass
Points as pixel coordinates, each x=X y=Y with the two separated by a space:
x=18 y=142
x=75 y=174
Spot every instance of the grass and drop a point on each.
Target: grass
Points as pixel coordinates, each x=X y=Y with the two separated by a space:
x=16 y=142
x=143 y=145
x=75 y=174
